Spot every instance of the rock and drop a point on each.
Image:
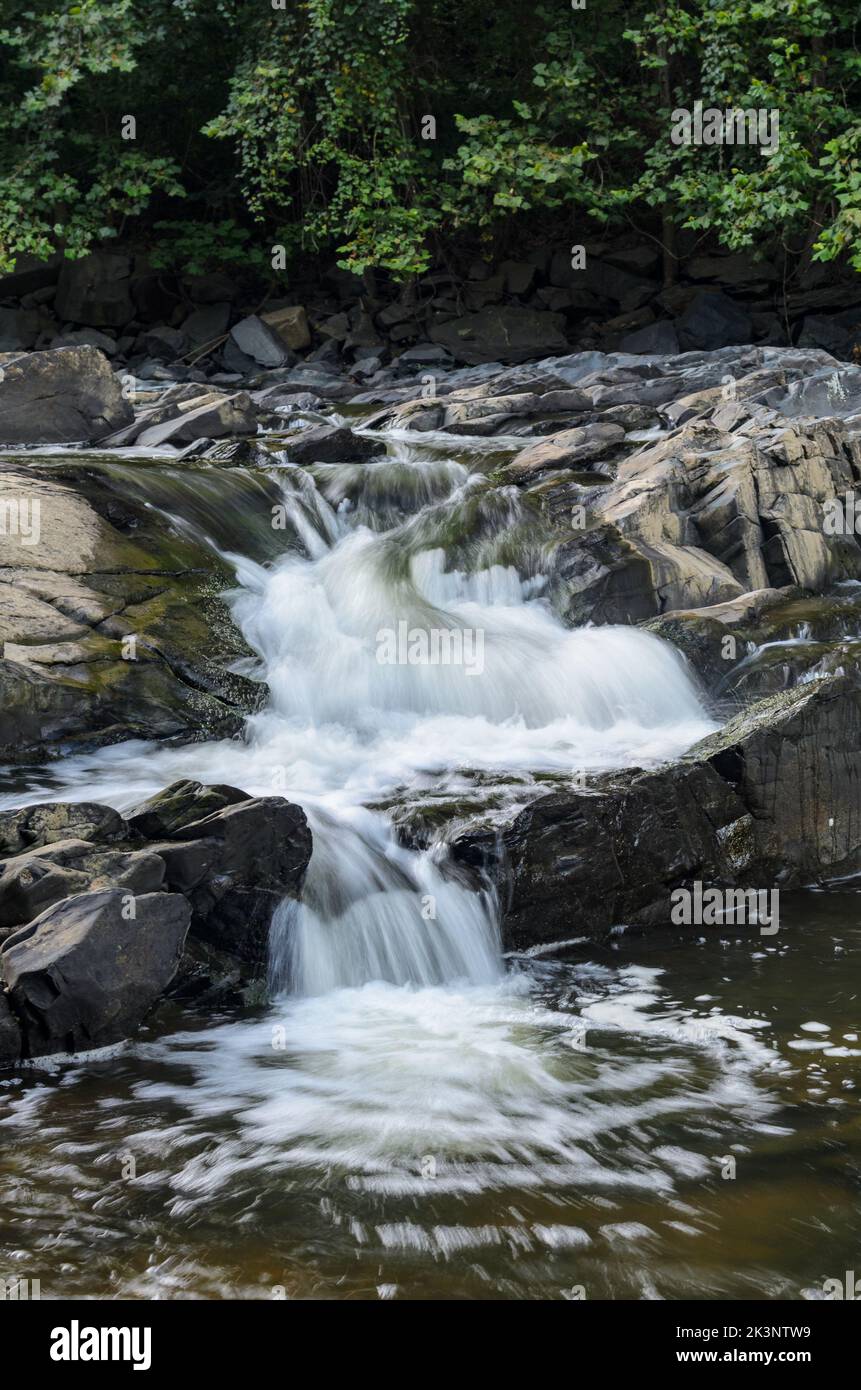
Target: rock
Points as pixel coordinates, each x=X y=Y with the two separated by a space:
x=772 y=799
x=713 y=321
x=501 y=334
x=11 y=1042
x=519 y=276
x=290 y=322
x=567 y=449
x=95 y=291
x=44 y=824
x=260 y=342
x=206 y=323
x=214 y=418
x=331 y=444
x=178 y=806
x=62 y=397
x=711 y=517
x=821 y=332
x=210 y=289
x=235 y=866
x=86 y=972
x=87 y=337
x=163 y=343
x=35 y=878
x=30 y=276
x=659 y=338
x=135 y=645
x=426 y=355
x=738 y=270
x=19 y=329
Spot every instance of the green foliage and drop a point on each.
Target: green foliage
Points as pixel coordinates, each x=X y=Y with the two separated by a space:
x=303 y=125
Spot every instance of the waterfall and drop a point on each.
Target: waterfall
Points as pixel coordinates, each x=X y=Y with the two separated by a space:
x=411 y=543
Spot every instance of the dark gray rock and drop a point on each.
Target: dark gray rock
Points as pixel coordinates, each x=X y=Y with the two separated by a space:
x=713 y=321
x=35 y=826
x=179 y=805
x=61 y=397
x=658 y=338
x=95 y=291
x=259 y=341
x=770 y=800
x=331 y=444
x=501 y=333
x=236 y=866
x=11 y=1042
x=206 y=323
x=87 y=971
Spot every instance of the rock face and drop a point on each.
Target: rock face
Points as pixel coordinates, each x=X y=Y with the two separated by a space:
x=770 y=800
x=66 y=396
x=94 y=930
x=110 y=626
x=501 y=334
x=87 y=971
x=96 y=290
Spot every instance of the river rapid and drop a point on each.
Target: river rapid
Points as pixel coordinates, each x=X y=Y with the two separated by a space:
x=408 y=1112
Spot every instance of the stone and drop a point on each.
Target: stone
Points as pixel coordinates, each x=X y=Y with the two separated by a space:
x=330 y=444
x=62 y=397
x=291 y=324
x=216 y=417
x=11 y=1042
x=85 y=973
x=658 y=338
x=206 y=323
x=259 y=342
x=43 y=824
x=95 y=291
x=713 y=321
x=501 y=333
x=567 y=449
x=180 y=805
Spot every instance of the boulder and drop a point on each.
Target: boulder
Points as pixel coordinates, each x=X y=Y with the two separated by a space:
x=770 y=800
x=291 y=325
x=713 y=321
x=501 y=333
x=259 y=342
x=658 y=338
x=44 y=824
x=180 y=805
x=85 y=973
x=33 y=879
x=206 y=323
x=95 y=291
x=235 y=865
x=215 y=417
x=331 y=444
x=11 y=1042
x=63 y=397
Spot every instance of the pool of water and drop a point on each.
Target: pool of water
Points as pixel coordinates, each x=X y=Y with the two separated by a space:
x=675 y=1116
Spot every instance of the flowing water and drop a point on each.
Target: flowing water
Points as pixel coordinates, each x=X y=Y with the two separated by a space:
x=411 y=1114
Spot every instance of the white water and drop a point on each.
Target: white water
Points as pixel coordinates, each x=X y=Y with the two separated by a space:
x=342 y=729
x=402 y=1038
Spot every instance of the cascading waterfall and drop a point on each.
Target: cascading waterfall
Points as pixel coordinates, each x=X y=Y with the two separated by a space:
x=412 y=540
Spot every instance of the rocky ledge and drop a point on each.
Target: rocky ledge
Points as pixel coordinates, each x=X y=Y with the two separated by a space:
x=101 y=915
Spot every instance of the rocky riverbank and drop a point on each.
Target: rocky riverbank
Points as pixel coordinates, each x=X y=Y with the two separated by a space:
x=697 y=495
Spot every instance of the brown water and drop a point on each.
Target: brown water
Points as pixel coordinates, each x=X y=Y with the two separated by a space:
x=445 y=1143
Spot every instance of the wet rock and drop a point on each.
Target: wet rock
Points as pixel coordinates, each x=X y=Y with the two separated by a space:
x=215 y=417
x=772 y=799
x=235 y=866
x=35 y=878
x=179 y=805
x=60 y=397
x=95 y=291
x=567 y=449
x=331 y=444
x=36 y=826
x=86 y=972
x=11 y=1042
